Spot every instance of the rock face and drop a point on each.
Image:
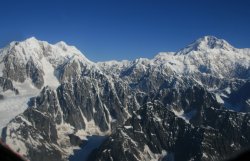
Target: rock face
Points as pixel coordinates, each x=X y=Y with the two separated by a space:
x=6 y=84
x=240 y=97
x=154 y=132
x=188 y=105
x=54 y=119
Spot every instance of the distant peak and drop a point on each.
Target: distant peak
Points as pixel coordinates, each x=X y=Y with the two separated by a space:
x=209 y=38
x=31 y=42
x=61 y=43
x=31 y=39
x=207 y=43
x=212 y=42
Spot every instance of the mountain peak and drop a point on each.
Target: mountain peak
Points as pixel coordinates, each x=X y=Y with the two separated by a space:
x=213 y=42
x=61 y=43
x=29 y=43
x=207 y=43
x=209 y=37
x=31 y=39
x=37 y=49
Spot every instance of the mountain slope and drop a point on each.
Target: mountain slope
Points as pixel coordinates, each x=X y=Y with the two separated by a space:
x=66 y=98
x=30 y=65
x=155 y=133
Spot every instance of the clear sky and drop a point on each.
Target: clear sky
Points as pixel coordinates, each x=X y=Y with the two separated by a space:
x=125 y=29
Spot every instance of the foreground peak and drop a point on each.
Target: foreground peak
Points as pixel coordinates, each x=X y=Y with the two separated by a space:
x=32 y=47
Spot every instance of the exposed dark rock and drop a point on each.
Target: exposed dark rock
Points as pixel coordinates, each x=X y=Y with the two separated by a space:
x=157 y=128
x=147 y=108
x=6 y=84
x=75 y=140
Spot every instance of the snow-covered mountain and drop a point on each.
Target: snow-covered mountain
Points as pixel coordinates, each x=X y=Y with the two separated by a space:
x=54 y=99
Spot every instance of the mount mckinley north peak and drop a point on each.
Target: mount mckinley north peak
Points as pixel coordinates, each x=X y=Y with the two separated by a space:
x=192 y=104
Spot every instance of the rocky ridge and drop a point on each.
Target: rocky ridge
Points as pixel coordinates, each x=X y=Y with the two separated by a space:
x=151 y=109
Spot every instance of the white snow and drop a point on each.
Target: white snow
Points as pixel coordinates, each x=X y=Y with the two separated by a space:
x=12 y=104
x=204 y=155
x=49 y=76
x=14 y=139
x=1 y=69
x=114 y=63
x=128 y=127
x=202 y=56
x=248 y=101
x=185 y=116
x=63 y=130
x=148 y=155
x=47 y=58
x=91 y=129
x=207 y=55
x=228 y=90
x=219 y=99
x=139 y=117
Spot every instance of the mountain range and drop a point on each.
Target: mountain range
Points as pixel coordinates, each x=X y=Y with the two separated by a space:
x=193 y=104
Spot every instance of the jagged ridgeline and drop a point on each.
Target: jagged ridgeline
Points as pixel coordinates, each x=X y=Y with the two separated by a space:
x=193 y=104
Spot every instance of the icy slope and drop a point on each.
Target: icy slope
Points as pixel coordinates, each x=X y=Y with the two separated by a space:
x=191 y=85
x=208 y=55
x=31 y=65
x=12 y=105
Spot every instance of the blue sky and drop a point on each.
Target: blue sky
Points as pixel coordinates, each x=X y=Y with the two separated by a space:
x=125 y=29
